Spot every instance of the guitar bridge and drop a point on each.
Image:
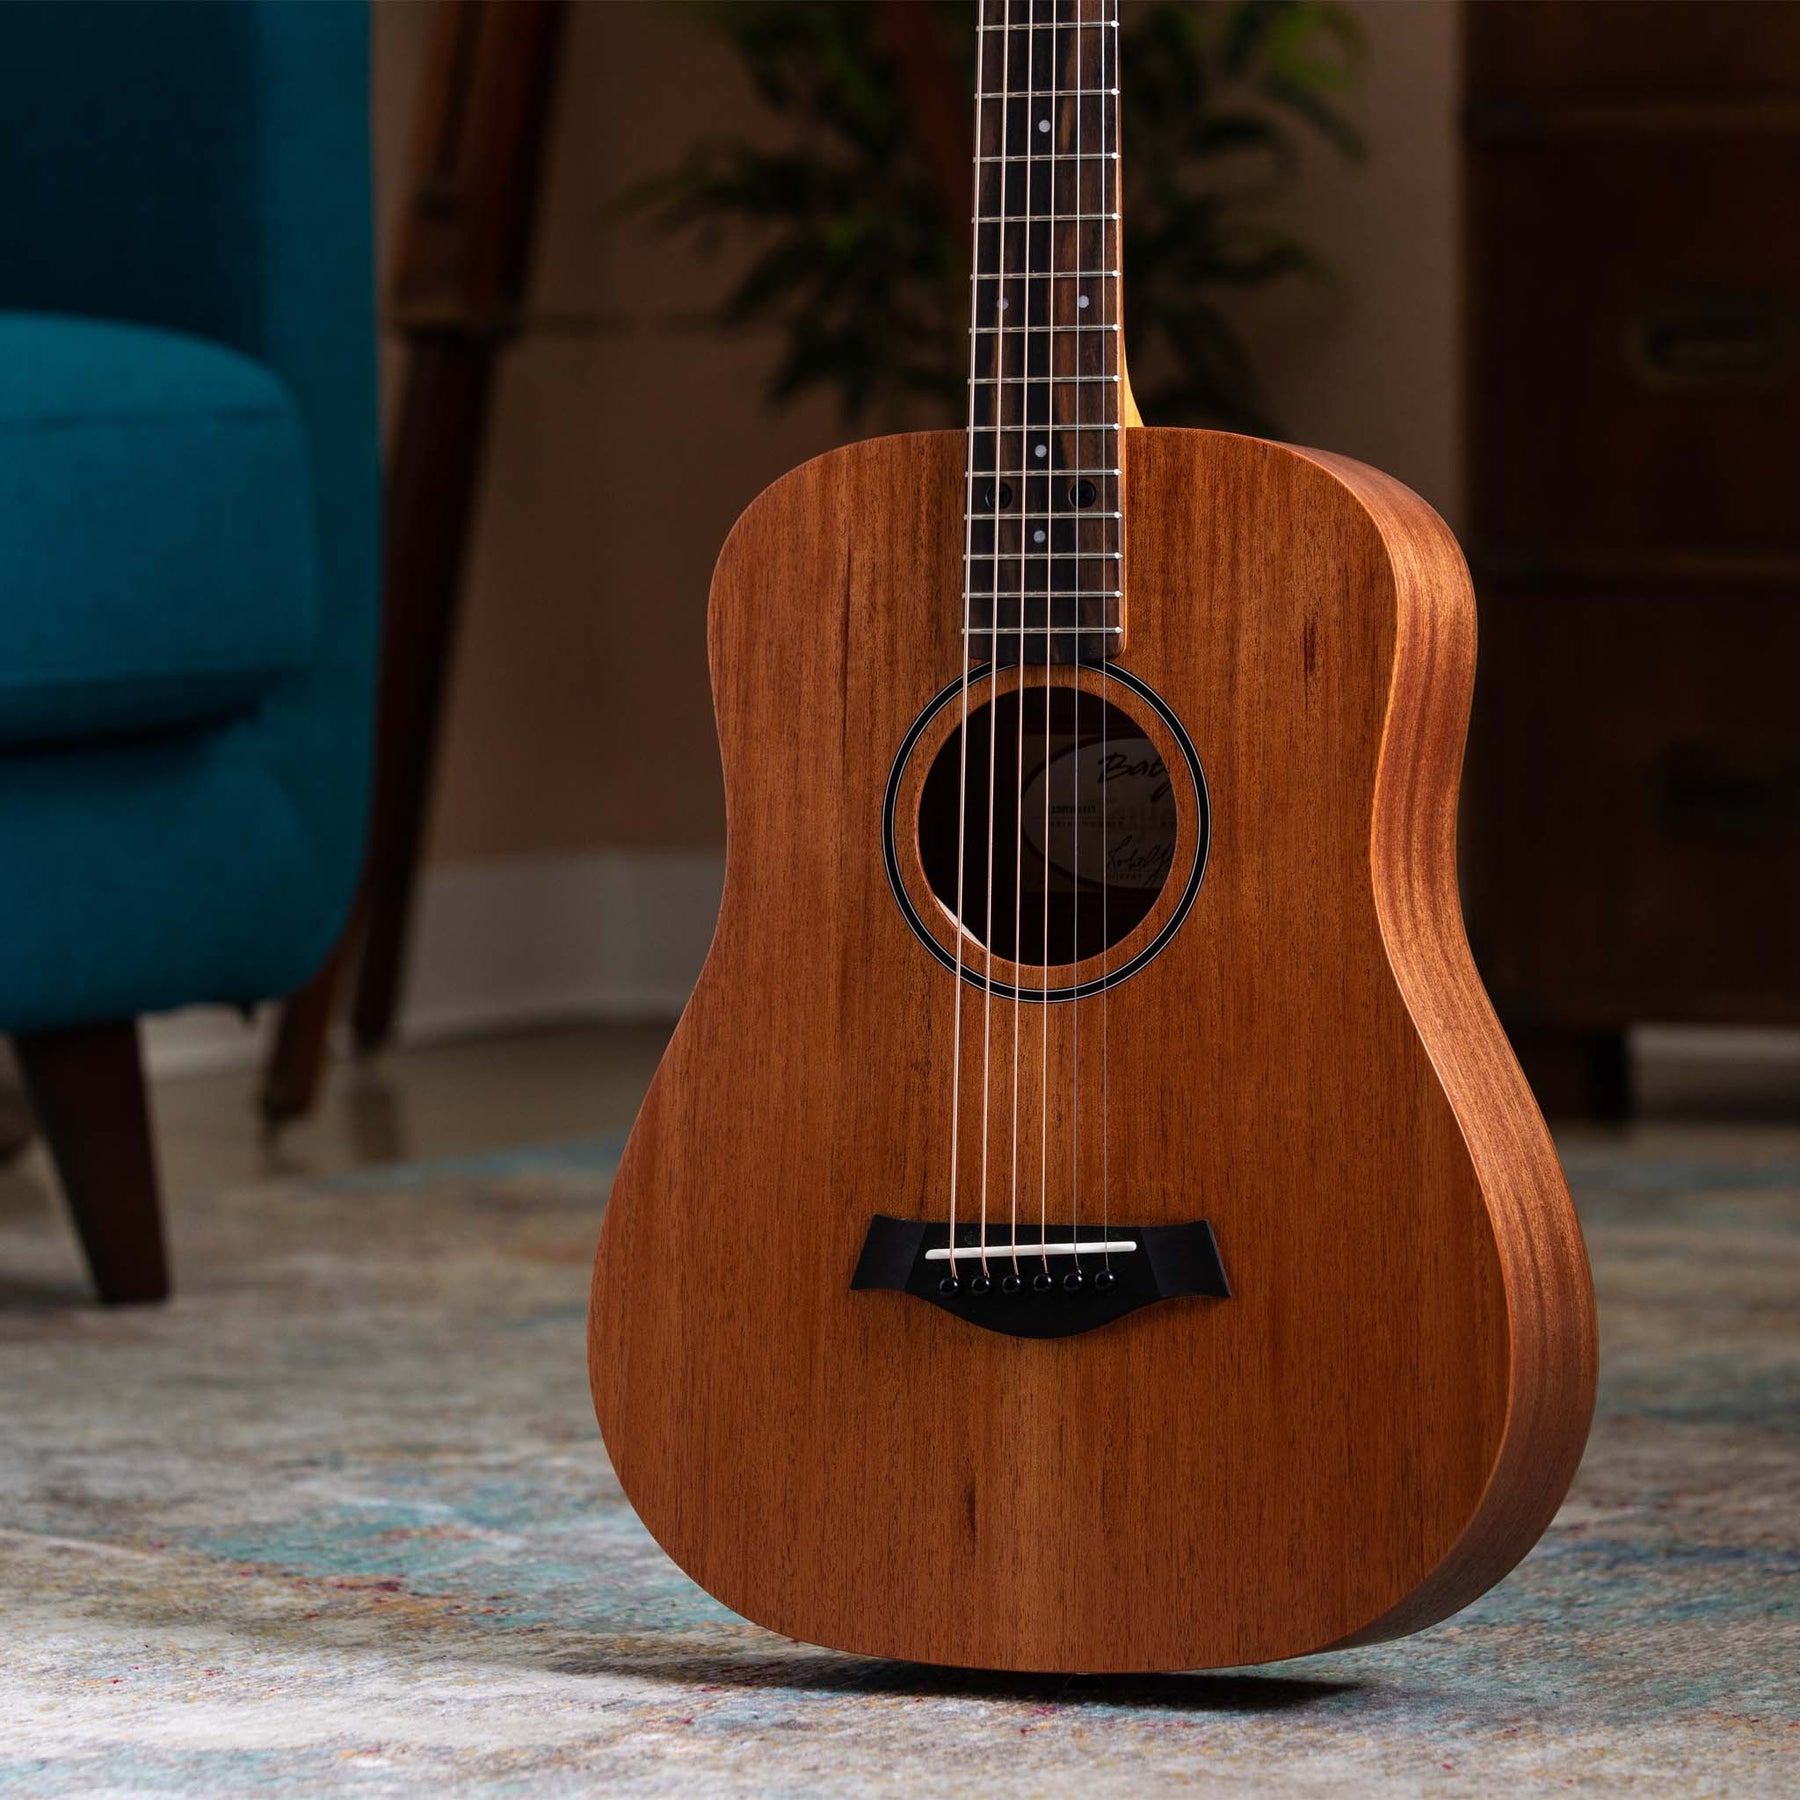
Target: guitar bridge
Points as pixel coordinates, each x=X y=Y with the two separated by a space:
x=1055 y=1286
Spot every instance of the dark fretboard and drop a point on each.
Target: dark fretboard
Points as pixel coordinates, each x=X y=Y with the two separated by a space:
x=1044 y=573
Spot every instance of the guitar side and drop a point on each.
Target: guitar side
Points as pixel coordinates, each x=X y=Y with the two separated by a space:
x=1381 y=1419
x=1549 y=1292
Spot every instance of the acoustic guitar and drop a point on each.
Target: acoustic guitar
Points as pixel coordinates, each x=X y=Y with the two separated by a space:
x=1088 y=1217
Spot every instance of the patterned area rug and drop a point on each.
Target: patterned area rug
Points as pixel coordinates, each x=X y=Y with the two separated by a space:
x=338 y=1522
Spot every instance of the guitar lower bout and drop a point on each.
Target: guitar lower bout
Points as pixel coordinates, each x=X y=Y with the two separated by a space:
x=1244 y=1037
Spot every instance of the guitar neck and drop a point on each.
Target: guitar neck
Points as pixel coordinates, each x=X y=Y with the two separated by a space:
x=1044 y=577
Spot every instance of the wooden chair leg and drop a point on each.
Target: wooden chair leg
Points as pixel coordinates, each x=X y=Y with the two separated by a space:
x=87 y=1086
x=297 y=1061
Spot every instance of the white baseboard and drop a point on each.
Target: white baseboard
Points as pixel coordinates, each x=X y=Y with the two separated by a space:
x=508 y=946
x=1717 y=1070
x=1757 y=1046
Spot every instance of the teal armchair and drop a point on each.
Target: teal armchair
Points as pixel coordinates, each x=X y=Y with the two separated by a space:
x=188 y=542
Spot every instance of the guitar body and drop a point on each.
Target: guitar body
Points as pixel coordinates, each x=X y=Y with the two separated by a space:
x=1383 y=1415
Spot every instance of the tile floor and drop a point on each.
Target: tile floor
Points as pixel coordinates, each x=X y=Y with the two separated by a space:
x=413 y=1104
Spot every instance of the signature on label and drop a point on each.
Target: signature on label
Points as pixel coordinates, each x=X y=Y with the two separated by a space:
x=1117 y=765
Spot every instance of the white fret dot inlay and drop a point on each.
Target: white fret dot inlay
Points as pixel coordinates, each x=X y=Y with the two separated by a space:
x=1043 y=124
x=1040 y=451
x=1081 y=302
x=1037 y=537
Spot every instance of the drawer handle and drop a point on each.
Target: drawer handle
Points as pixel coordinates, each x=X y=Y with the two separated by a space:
x=1711 y=342
x=1715 y=790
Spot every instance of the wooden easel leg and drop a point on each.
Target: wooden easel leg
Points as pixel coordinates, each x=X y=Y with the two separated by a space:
x=87 y=1086
x=430 y=504
x=462 y=269
x=431 y=496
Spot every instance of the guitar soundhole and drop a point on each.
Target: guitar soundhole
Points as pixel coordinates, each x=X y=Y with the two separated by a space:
x=1071 y=820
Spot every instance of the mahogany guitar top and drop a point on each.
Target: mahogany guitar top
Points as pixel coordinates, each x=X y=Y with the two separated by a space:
x=1381 y=1418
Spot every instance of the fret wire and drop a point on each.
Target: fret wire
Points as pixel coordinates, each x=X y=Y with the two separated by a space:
x=1044 y=218
x=1028 y=327
x=1037 y=474
x=1046 y=275
x=1051 y=94
x=1084 y=512
x=1056 y=156
x=1039 y=630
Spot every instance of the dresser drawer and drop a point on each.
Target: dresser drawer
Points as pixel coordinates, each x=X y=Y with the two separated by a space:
x=1633 y=845
x=1678 y=52
x=1635 y=376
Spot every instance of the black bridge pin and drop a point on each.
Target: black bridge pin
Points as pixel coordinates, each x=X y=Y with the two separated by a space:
x=1074 y=1281
x=980 y=1284
x=1105 y=1281
x=1042 y=1282
x=949 y=1285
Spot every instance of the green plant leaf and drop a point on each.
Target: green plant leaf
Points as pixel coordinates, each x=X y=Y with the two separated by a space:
x=854 y=267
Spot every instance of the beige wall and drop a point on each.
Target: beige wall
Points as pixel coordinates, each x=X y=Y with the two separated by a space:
x=623 y=447
x=1372 y=371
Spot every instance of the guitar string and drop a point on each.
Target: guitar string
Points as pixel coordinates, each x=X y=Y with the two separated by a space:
x=1019 y=694
x=1049 y=688
x=1075 y=783
x=993 y=735
x=1113 y=206
x=1053 y=481
x=968 y=651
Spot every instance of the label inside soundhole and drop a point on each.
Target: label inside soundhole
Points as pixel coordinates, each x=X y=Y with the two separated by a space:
x=1051 y=826
x=1111 y=815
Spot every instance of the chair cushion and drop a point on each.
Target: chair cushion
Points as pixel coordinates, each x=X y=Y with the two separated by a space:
x=157 y=538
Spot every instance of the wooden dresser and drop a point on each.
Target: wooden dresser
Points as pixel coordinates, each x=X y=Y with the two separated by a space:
x=1632 y=839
